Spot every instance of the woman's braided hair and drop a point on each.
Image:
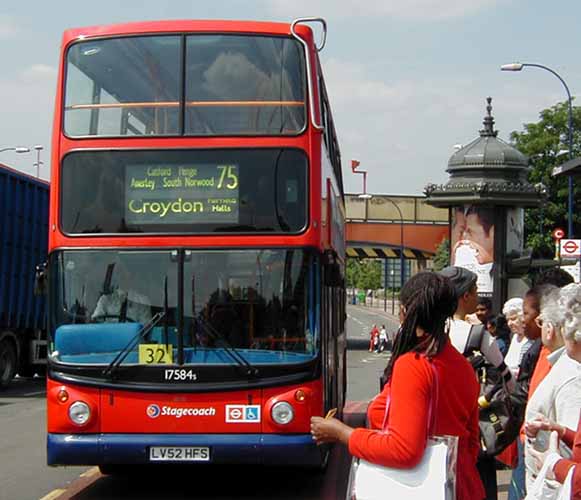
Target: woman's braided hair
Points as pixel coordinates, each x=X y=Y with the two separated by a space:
x=429 y=300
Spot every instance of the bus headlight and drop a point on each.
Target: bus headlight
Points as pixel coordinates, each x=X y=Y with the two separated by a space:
x=79 y=413
x=282 y=413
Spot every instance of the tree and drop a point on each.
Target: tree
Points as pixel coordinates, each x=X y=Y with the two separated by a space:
x=364 y=273
x=442 y=257
x=543 y=142
x=371 y=274
x=352 y=272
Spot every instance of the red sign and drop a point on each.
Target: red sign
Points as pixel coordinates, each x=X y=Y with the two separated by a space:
x=570 y=248
x=558 y=233
x=354 y=164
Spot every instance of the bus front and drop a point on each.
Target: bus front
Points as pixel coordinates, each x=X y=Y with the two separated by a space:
x=185 y=267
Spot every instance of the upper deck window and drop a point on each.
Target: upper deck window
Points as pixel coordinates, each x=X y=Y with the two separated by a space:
x=234 y=85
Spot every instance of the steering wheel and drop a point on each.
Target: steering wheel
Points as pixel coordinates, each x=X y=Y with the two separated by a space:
x=101 y=318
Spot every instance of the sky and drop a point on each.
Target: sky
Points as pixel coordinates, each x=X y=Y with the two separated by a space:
x=407 y=79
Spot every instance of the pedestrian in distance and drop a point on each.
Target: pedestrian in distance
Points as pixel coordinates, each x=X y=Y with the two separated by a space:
x=497 y=326
x=422 y=357
x=382 y=339
x=373 y=338
x=483 y=309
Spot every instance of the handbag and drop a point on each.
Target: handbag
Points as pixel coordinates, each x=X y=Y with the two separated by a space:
x=548 y=489
x=500 y=421
x=434 y=477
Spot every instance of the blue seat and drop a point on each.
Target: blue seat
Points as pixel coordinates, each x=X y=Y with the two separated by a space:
x=94 y=337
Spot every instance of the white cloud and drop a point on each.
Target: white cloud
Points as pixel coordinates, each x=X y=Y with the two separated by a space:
x=8 y=28
x=403 y=131
x=38 y=72
x=405 y=9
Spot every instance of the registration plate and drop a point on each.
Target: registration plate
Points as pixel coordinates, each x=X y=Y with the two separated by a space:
x=179 y=454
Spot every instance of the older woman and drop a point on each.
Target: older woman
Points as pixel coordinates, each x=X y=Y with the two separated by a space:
x=541 y=396
x=422 y=357
x=557 y=399
x=513 y=311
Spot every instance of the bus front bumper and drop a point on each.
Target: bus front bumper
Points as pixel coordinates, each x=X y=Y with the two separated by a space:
x=98 y=449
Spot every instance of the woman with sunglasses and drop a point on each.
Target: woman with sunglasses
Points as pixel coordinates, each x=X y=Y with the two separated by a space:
x=557 y=398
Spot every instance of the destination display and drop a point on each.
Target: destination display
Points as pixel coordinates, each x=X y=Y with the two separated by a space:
x=182 y=194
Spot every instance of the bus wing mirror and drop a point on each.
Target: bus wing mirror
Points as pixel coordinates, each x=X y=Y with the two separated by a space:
x=332 y=271
x=40 y=279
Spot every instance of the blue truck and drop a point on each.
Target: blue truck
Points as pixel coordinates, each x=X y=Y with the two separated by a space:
x=23 y=246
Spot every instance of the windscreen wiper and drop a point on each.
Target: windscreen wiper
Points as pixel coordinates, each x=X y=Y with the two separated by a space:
x=165 y=315
x=123 y=353
x=251 y=370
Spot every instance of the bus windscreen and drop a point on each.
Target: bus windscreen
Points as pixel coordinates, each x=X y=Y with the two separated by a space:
x=210 y=85
x=170 y=194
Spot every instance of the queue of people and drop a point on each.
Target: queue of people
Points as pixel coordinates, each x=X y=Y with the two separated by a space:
x=534 y=347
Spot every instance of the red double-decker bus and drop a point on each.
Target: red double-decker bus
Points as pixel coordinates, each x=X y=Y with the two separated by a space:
x=196 y=253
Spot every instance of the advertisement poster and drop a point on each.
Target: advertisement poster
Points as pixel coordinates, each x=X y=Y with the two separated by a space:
x=472 y=243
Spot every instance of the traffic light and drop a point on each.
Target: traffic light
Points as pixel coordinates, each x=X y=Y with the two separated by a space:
x=355 y=164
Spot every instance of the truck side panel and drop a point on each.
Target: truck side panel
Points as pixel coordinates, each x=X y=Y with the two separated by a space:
x=23 y=245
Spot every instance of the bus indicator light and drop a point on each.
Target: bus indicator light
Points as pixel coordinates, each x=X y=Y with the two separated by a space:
x=300 y=395
x=62 y=396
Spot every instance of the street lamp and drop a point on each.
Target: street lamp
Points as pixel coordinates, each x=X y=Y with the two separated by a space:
x=518 y=67
x=401 y=246
x=38 y=163
x=18 y=150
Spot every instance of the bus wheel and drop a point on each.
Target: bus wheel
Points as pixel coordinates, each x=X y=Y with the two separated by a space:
x=7 y=362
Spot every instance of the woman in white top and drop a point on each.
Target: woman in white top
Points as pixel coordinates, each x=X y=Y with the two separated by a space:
x=513 y=310
x=465 y=285
x=558 y=396
x=382 y=339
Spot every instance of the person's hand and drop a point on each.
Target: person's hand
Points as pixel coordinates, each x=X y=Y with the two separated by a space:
x=539 y=457
x=539 y=423
x=329 y=430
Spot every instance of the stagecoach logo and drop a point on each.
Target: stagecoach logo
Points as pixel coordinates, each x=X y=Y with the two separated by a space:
x=153 y=411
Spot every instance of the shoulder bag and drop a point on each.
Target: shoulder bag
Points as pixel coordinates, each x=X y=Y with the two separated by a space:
x=434 y=477
x=500 y=421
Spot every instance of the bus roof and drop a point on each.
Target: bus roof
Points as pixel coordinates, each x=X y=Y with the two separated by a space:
x=210 y=26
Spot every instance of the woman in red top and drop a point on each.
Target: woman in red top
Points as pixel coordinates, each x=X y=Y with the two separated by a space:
x=427 y=301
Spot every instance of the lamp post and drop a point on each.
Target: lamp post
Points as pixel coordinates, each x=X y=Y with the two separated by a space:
x=401 y=245
x=18 y=150
x=38 y=163
x=518 y=67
